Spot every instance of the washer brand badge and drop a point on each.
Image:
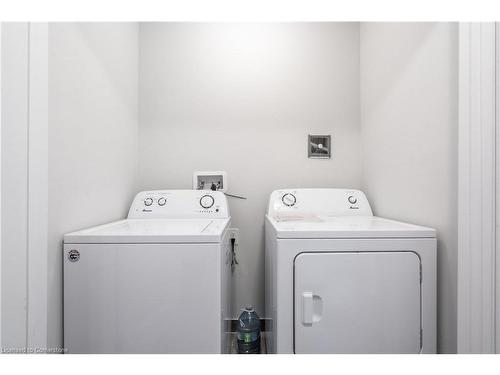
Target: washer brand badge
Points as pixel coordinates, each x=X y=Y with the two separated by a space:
x=74 y=255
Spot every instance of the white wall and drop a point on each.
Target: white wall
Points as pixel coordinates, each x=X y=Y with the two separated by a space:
x=409 y=137
x=92 y=136
x=243 y=98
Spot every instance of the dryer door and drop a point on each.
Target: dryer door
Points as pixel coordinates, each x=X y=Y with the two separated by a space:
x=357 y=302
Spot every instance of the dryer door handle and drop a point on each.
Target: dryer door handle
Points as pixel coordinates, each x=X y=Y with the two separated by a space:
x=312 y=308
x=307 y=308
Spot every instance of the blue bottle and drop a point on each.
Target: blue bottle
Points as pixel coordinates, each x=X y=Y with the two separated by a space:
x=248 y=331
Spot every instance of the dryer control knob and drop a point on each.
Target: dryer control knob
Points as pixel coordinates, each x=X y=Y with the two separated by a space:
x=148 y=201
x=207 y=201
x=289 y=199
x=351 y=199
x=162 y=201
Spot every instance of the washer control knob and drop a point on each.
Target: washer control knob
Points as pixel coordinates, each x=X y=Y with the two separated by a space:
x=162 y=201
x=148 y=201
x=351 y=199
x=289 y=199
x=207 y=201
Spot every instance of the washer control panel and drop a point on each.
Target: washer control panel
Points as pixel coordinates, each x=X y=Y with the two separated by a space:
x=318 y=202
x=181 y=204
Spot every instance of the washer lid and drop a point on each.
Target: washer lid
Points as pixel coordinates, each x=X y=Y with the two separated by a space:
x=153 y=231
x=346 y=227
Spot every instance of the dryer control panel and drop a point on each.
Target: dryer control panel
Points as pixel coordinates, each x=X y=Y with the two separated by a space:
x=179 y=204
x=302 y=203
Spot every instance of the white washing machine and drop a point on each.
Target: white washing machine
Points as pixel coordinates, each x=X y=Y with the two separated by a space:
x=340 y=280
x=157 y=282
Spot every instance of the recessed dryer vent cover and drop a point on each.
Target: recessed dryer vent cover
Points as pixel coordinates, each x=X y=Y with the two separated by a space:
x=319 y=146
